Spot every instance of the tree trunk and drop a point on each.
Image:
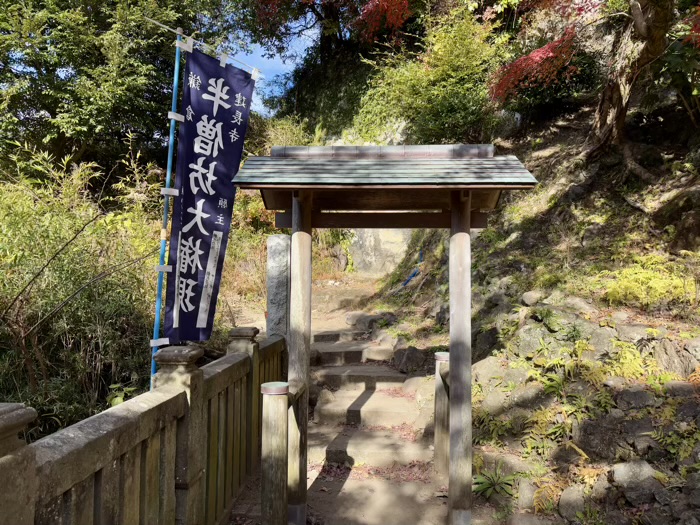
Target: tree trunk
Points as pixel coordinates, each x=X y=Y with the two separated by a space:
x=641 y=42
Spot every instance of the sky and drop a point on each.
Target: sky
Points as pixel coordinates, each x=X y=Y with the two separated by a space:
x=269 y=68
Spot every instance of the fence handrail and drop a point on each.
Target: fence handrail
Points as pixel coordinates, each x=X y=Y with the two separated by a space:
x=274 y=344
x=70 y=455
x=223 y=372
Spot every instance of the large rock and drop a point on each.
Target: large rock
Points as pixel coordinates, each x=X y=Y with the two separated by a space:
x=532 y=297
x=571 y=502
x=674 y=359
x=487 y=370
x=693 y=347
x=409 y=359
x=580 y=306
x=637 y=481
x=635 y=397
x=379 y=251
x=526 y=494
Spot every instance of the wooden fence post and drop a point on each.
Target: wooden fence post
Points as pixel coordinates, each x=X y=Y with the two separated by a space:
x=176 y=366
x=441 y=439
x=20 y=485
x=244 y=340
x=274 y=453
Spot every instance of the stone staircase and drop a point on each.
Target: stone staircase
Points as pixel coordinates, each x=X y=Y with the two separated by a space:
x=366 y=412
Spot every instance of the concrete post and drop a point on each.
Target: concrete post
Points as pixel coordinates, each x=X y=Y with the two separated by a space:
x=244 y=341
x=278 y=254
x=176 y=366
x=17 y=466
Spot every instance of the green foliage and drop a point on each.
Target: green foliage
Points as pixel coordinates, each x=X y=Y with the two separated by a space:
x=438 y=95
x=650 y=281
x=488 y=483
x=680 y=441
x=78 y=76
x=69 y=331
x=626 y=361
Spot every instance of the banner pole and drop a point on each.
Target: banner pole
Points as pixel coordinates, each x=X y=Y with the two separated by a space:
x=164 y=230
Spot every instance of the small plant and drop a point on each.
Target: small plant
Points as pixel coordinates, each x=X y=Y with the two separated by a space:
x=591 y=516
x=494 y=482
x=547 y=494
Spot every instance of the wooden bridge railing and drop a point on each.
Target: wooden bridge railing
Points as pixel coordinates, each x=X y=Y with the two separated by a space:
x=176 y=455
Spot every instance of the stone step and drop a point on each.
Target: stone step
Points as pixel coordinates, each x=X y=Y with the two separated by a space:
x=367 y=407
x=374 y=447
x=339 y=336
x=352 y=352
x=359 y=377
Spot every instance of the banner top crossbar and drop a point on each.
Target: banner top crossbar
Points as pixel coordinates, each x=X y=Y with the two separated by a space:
x=254 y=70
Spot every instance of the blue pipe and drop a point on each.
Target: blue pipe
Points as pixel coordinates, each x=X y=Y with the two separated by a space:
x=168 y=177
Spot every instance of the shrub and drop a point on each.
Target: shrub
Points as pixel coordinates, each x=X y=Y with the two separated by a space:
x=438 y=95
x=75 y=315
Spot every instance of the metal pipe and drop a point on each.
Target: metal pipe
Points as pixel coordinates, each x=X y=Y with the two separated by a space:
x=166 y=208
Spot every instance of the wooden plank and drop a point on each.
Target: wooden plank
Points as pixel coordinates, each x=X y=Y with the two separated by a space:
x=212 y=459
x=81 y=502
x=230 y=437
x=460 y=475
x=238 y=430
x=244 y=435
x=221 y=453
x=168 y=448
x=274 y=453
x=150 y=479
x=299 y=350
x=107 y=494
x=381 y=220
x=393 y=199
x=131 y=485
x=253 y=406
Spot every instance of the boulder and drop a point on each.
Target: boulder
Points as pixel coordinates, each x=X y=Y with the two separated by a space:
x=532 y=297
x=635 y=397
x=442 y=316
x=631 y=333
x=409 y=359
x=526 y=494
x=571 y=502
x=579 y=305
x=487 y=370
x=486 y=342
x=638 y=434
x=674 y=359
x=693 y=347
x=680 y=389
x=636 y=481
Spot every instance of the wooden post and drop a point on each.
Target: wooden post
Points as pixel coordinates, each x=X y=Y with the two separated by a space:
x=441 y=438
x=299 y=351
x=274 y=453
x=460 y=476
x=244 y=341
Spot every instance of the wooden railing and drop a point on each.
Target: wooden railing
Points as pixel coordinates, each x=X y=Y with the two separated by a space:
x=232 y=410
x=179 y=454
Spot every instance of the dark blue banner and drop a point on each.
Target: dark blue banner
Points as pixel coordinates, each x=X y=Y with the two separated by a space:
x=216 y=107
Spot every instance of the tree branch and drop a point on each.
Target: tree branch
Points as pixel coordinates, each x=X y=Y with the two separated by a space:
x=46 y=264
x=97 y=278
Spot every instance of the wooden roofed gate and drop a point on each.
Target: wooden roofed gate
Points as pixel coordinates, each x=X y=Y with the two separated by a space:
x=432 y=186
